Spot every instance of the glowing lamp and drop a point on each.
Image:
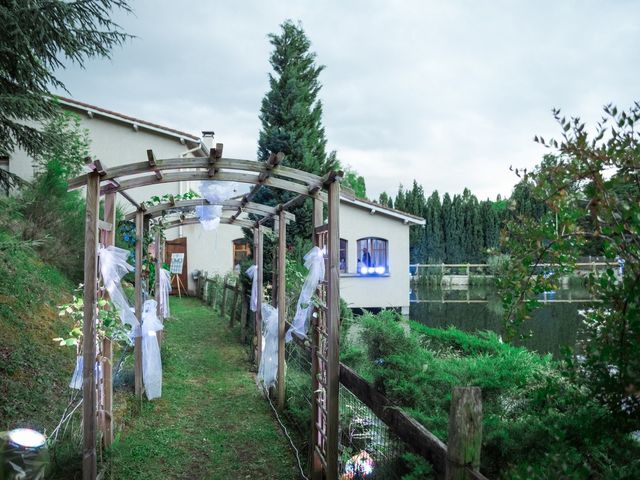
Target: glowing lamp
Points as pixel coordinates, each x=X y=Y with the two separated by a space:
x=26 y=438
x=380 y=270
x=363 y=270
x=371 y=270
x=23 y=454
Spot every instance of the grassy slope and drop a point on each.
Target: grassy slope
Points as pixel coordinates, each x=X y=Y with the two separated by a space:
x=211 y=422
x=34 y=371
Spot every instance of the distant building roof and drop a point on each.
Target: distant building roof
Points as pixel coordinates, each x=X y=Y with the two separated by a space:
x=135 y=122
x=374 y=208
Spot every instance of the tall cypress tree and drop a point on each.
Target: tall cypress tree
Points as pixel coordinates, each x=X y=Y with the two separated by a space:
x=291 y=116
x=433 y=230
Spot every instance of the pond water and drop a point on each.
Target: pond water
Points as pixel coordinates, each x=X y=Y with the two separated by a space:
x=553 y=326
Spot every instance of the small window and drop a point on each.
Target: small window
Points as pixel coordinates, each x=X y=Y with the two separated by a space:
x=241 y=251
x=373 y=256
x=343 y=255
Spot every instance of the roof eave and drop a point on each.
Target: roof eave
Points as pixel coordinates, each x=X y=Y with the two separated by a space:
x=374 y=208
x=91 y=110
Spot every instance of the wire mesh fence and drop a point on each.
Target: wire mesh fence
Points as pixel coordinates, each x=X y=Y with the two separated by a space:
x=368 y=449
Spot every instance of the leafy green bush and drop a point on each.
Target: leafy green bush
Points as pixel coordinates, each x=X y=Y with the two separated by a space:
x=43 y=213
x=538 y=423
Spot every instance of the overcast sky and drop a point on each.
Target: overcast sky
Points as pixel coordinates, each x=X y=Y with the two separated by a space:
x=450 y=93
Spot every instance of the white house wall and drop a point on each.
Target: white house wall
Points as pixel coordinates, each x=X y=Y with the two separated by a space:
x=210 y=251
x=116 y=143
x=375 y=292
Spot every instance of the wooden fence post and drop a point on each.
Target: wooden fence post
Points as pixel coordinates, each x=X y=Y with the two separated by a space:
x=465 y=432
x=314 y=459
x=137 y=348
x=234 y=304
x=243 y=316
x=89 y=457
x=224 y=297
x=282 y=305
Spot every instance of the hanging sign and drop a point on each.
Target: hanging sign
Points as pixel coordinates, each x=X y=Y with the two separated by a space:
x=177 y=260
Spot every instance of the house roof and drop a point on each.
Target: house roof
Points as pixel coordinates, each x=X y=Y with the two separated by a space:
x=374 y=208
x=135 y=122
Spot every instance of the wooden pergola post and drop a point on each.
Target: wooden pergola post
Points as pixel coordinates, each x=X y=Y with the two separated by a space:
x=138 y=279
x=107 y=346
x=258 y=241
x=333 y=330
x=316 y=434
x=282 y=305
x=89 y=458
x=158 y=241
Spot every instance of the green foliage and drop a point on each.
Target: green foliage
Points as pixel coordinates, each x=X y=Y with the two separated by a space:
x=385 y=200
x=43 y=212
x=67 y=154
x=458 y=229
x=355 y=182
x=291 y=118
x=158 y=199
x=108 y=322
x=419 y=468
x=36 y=37
x=9 y=181
x=536 y=420
x=34 y=373
x=591 y=197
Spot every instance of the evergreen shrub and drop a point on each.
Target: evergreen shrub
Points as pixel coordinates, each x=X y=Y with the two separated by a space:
x=538 y=421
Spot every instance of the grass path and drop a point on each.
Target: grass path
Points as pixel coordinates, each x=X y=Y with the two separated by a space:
x=211 y=422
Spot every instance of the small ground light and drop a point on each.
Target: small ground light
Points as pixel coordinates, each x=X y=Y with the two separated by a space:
x=23 y=455
x=358 y=467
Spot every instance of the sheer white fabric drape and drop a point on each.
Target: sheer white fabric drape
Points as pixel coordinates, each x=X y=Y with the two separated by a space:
x=314 y=261
x=268 y=370
x=252 y=273
x=165 y=288
x=215 y=193
x=113 y=267
x=151 y=361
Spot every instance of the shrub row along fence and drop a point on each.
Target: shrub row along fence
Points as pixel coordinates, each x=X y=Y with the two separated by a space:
x=374 y=433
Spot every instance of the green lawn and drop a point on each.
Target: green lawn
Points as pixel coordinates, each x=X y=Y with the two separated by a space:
x=211 y=422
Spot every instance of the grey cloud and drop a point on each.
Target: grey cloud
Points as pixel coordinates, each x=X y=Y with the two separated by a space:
x=449 y=93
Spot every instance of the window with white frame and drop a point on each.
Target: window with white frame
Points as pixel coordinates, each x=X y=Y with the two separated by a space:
x=373 y=256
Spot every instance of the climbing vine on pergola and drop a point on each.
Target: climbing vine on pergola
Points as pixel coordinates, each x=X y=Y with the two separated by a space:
x=213 y=166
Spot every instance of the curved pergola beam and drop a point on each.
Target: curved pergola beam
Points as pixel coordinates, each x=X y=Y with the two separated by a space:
x=146 y=180
x=240 y=222
x=205 y=164
x=249 y=207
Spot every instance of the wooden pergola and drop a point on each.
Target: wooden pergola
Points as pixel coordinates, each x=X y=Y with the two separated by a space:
x=100 y=181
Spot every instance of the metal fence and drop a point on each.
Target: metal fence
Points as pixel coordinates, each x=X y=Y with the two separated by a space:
x=368 y=449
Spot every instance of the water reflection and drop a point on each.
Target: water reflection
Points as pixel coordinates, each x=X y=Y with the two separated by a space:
x=553 y=326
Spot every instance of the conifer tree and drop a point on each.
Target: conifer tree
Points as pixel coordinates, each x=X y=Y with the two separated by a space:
x=434 y=250
x=400 y=202
x=37 y=38
x=385 y=200
x=291 y=117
